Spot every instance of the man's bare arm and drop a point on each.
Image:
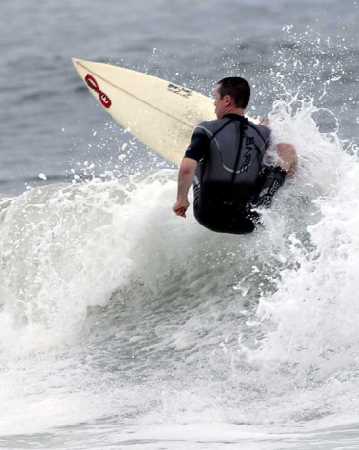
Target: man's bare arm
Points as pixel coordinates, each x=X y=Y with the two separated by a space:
x=286 y=152
x=185 y=179
x=288 y=159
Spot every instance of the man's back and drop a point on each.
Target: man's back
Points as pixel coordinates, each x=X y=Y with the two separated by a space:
x=228 y=174
x=233 y=150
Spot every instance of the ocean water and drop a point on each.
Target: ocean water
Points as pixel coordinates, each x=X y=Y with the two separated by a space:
x=124 y=327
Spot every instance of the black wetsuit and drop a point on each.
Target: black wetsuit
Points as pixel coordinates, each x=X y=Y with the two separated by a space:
x=229 y=176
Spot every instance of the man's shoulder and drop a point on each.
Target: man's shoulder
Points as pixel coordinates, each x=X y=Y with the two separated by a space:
x=209 y=127
x=259 y=126
x=260 y=129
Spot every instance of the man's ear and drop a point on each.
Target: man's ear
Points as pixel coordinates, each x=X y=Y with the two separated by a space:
x=227 y=99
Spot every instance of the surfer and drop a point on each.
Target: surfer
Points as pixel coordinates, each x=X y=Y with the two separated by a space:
x=224 y=162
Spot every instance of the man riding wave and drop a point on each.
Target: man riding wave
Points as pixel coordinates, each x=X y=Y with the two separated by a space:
x=224 y=161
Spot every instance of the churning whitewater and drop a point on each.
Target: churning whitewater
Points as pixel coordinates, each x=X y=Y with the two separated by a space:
x=111 y=311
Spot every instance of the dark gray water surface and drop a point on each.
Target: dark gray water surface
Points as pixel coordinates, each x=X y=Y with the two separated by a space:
x=47 y=117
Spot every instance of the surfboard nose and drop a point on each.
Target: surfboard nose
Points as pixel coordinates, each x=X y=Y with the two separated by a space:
x=82 y=63
x=79 y=61
x=77 y=64
x=75 y=61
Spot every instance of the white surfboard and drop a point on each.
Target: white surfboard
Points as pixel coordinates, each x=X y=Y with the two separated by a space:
x=159 y=113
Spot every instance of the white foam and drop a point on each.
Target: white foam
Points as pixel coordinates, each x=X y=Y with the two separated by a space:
x=67 y=249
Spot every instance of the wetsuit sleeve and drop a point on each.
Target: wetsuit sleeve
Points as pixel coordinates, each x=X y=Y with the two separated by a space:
x=266 y=135
x=269 y=139
x=198 y=147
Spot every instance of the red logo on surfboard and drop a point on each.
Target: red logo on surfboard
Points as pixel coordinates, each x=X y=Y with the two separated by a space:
x=93 y=84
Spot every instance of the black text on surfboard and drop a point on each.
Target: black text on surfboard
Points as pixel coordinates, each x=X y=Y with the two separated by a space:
x=179 y=90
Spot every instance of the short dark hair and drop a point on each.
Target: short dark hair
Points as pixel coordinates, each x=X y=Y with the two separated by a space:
x=237 y=88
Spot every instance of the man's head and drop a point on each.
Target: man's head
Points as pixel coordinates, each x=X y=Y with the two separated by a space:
x=231 y=95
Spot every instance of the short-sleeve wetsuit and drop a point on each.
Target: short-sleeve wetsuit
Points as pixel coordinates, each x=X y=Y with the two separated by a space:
x=230 y=154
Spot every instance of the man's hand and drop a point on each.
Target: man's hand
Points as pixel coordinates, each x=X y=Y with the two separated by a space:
x=180 y=207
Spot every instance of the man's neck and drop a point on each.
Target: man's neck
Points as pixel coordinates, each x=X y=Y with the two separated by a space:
x=238 y=111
